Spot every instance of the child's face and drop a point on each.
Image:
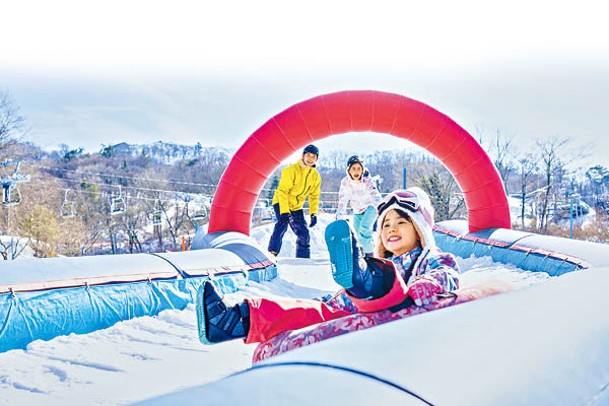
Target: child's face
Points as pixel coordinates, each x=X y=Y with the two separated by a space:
x=398 y=234
x=356 y=171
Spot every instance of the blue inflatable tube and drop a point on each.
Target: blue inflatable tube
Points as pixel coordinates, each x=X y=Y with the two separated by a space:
x=46 y=298
x=529 y=251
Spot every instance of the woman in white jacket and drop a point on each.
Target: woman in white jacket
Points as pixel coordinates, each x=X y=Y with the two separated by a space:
x=359 y=190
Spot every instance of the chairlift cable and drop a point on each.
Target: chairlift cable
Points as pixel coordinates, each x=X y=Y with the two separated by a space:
x=153 y=180
x=262 y=191
x=101 y=194
x=105 y=185
x=105 y=175
x=175 y=192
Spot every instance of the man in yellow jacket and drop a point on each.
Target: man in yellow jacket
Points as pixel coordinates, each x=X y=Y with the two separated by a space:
x=298 y=182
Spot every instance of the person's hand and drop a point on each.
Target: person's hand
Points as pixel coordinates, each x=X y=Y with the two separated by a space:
x=313 y=220
x=284 y=218
x=424 y=290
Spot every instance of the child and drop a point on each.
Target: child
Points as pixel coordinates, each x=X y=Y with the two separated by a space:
x=358 y=189
x=409 y=269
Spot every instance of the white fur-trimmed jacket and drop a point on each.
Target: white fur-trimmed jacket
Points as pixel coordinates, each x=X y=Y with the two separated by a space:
x=360 y=194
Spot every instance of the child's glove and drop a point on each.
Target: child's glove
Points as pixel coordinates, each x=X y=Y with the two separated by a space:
x=424 y=290
x=313 y=220
x=284 y=218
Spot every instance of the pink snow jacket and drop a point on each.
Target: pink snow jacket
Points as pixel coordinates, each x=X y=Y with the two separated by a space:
x=360 y=193
x=441 y=266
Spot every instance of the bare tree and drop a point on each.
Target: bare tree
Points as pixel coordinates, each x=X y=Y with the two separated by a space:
x=441 y=187
x=13 y=247
x=12 y=125
x=92 y=211
x=175 y=218
x=335 y=159
x=528 y=166
x=152 y=189
x=598 y=178
x=549 y=153
x=133 y=221
x=504 y=157
x=501 y=152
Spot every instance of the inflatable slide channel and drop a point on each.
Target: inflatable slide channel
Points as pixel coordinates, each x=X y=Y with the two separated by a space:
x=541 y=345
x=48 y=297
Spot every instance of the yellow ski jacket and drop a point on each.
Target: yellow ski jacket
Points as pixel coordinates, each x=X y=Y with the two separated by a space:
x=298 y=182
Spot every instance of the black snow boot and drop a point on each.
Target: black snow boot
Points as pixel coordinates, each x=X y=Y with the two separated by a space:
x=217 y=322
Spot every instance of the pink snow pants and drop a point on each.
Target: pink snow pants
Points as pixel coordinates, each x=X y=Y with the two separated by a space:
x=271 y=317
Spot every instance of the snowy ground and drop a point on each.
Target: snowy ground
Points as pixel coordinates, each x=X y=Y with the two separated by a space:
x=150 y=356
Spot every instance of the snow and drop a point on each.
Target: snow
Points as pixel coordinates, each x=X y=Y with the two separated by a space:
x=151 y=356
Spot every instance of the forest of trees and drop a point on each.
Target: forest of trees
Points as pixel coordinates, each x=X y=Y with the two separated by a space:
x=150 y=198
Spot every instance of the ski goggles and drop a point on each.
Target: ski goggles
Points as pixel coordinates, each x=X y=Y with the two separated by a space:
x=403 y=198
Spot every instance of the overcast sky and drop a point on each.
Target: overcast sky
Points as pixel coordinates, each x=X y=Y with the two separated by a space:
x=93 y=73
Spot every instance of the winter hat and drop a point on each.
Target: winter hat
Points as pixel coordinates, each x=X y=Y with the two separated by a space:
x=354 y=159
x=312 y=149
x=416 y=204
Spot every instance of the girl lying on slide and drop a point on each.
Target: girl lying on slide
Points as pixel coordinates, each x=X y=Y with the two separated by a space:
x=408 y=268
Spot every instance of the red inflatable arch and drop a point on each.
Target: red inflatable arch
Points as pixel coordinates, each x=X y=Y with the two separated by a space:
x=354 y=111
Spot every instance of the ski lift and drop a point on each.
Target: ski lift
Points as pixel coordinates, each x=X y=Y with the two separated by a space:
x=156 y=216
x=195 y=209
x=10 y=192
x=268 y=214
x=67 y=207
x=117 y=203
x=11 y=195
x=199 y=213
x=263 y=212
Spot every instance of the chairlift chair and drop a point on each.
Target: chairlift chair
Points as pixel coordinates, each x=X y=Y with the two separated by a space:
x=156 y=215
x=268 y=214
x=117 y=203
x=263 y=212
x=67 y=207
x=11 y=195
x=157 y=220
x=200 y=213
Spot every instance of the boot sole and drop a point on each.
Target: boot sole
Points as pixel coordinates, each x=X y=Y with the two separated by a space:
x=338 y=240
x=201 y=317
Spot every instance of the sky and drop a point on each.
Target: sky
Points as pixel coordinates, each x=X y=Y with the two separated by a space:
x=98 y=73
